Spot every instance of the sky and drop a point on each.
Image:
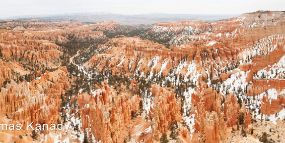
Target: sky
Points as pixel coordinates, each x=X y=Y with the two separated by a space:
x=13 y=8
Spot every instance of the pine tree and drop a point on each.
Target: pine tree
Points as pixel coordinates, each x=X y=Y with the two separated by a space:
x=85 y=140
x=163 y=138
x=34 y=135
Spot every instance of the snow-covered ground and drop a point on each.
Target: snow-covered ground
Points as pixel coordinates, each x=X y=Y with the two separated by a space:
x=276 y=71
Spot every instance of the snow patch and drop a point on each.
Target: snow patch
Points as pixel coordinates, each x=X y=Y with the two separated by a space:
x=211 y=43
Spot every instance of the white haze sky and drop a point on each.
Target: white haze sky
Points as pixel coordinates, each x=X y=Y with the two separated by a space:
x=11 y=8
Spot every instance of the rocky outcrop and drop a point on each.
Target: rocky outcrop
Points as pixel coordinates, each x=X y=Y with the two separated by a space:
x=108 y=114
x=38 y=101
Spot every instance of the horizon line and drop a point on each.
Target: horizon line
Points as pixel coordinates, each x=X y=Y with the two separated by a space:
x=154 y=14
x=109 y=13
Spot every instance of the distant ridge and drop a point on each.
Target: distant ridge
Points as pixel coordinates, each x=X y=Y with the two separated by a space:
x=127 y=19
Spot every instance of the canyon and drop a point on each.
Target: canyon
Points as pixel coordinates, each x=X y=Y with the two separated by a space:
x=186 y=81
